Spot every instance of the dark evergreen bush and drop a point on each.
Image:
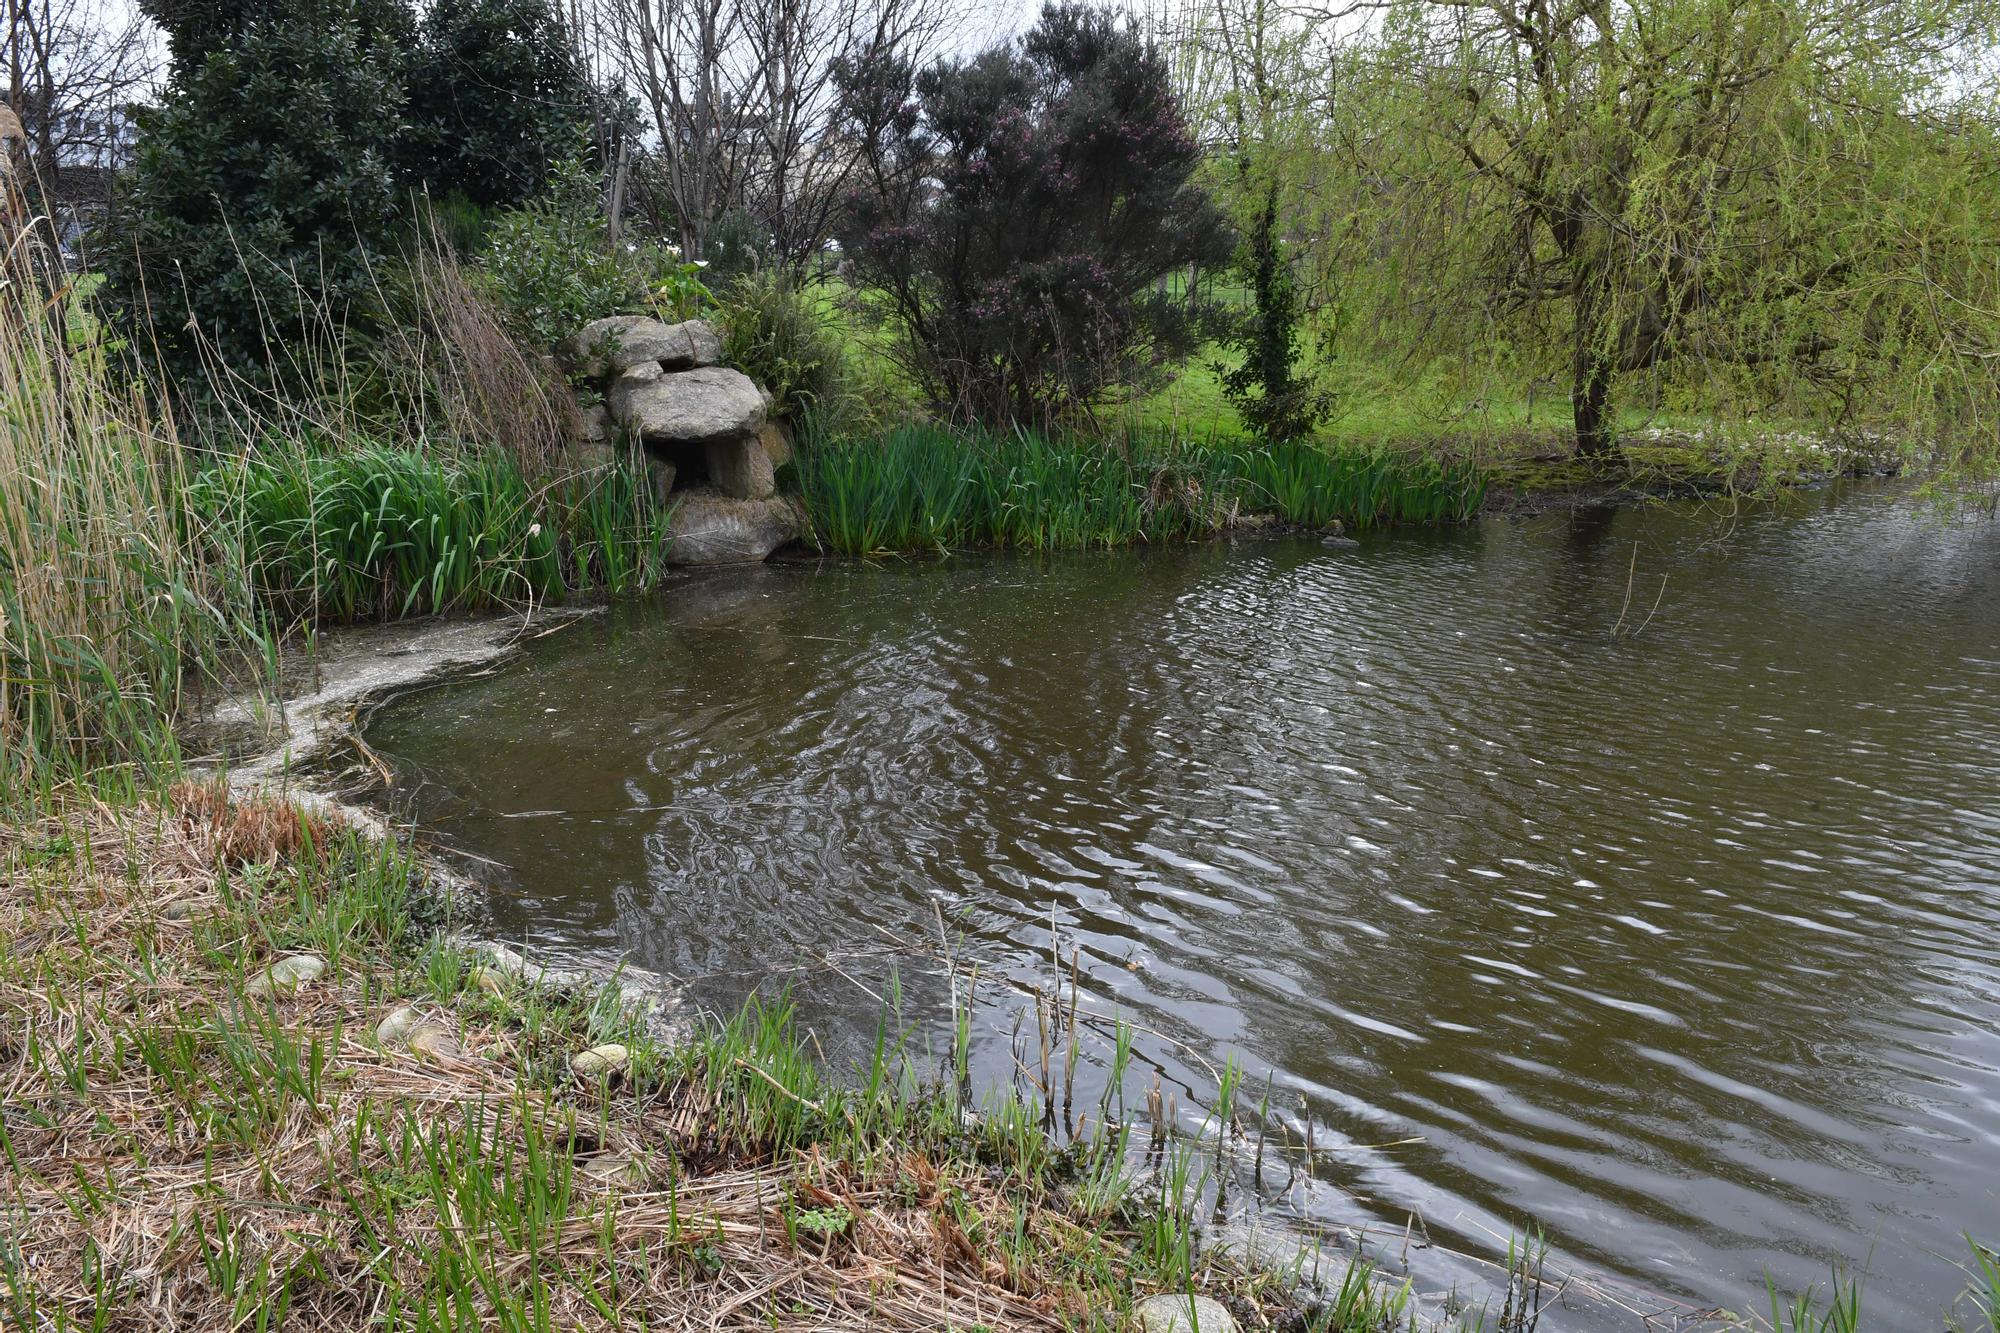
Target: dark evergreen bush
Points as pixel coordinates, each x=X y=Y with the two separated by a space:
x=1019 y=209
x=497 y=97
x=290 y=142
x=264 y=182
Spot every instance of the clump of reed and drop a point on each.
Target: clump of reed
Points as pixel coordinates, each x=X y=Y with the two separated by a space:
x=349 y=530
x=920 y=487
x=1359 y=488
x=108 y=598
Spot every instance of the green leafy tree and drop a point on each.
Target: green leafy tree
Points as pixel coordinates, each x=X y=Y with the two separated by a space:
x=278 y=169
x=1779 y=204
x=263 y=181
x=497 y=97
x=195 y=29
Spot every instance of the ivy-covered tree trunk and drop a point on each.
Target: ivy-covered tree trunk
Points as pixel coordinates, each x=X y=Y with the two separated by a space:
x=1265 y=389
x=1590 y=404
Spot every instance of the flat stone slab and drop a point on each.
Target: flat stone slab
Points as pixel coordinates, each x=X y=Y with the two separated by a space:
x=618 y=343
x=710 y=528
x=710 y=405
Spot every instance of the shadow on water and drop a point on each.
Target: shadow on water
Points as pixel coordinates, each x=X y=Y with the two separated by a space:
x=1641 y=866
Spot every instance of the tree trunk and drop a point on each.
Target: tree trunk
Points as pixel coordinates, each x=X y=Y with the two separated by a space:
x=1590 y=403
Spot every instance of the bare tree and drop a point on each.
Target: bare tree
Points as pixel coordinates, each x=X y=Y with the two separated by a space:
x=739 y=97
x=73 y=69
x=799 y=47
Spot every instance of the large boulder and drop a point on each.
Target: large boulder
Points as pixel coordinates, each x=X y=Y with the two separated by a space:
x=776 y=438
x=741 y=469
x=710 y=528
x=611 y=346
x=691 y=408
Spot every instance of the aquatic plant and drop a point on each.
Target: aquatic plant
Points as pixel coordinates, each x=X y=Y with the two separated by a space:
x=928 y=487
x=341 y=533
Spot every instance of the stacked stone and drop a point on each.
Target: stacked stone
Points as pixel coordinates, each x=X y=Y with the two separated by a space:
x=666 y=395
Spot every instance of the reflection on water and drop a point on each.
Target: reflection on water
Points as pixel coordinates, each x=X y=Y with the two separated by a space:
x=1645 y=865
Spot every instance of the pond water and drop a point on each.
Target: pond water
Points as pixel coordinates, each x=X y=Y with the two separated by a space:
x=1635 y=875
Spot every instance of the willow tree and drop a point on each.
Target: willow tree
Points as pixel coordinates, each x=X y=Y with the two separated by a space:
x=1787 y=204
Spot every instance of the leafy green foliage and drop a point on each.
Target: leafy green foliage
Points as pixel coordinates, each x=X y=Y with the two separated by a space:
x=552 y=266
x=263 y=182
x=276 y=172
x=197 y=29
x=497 y=99
x=736 y=247
x=1015 y=211
x=779 y=337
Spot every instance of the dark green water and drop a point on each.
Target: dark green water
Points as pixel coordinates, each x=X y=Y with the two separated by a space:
x=1645 y=866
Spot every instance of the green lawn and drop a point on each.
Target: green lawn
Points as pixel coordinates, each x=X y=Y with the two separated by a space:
x=1516 y=427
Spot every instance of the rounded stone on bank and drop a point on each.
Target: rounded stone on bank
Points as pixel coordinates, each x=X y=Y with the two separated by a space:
x=1182 y=1314
x=433 y=1043
x=600 y=1060
x=396 y=1026
x=615 y=1168
x=287 y=976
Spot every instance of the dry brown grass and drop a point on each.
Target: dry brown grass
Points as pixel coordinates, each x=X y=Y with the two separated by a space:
x=454 y=362
x=233 y=832
x=177 y=1156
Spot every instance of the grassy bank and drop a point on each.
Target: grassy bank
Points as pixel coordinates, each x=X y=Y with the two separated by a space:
x=189 y=1145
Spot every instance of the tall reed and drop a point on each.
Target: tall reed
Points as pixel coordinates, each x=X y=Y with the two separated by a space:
x=106 y=598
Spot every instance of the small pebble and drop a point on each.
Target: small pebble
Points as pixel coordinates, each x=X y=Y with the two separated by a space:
x=600 y=1060
x=615 y=1168
x=435 y=1044
x=505 y=961
x=287 y=976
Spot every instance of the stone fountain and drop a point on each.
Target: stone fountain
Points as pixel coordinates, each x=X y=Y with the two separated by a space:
x=701 y=430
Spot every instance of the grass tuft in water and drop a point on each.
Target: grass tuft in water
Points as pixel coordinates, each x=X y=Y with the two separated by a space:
x=927 y=487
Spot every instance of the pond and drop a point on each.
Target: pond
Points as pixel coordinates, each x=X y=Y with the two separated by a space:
x=1634 y=875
